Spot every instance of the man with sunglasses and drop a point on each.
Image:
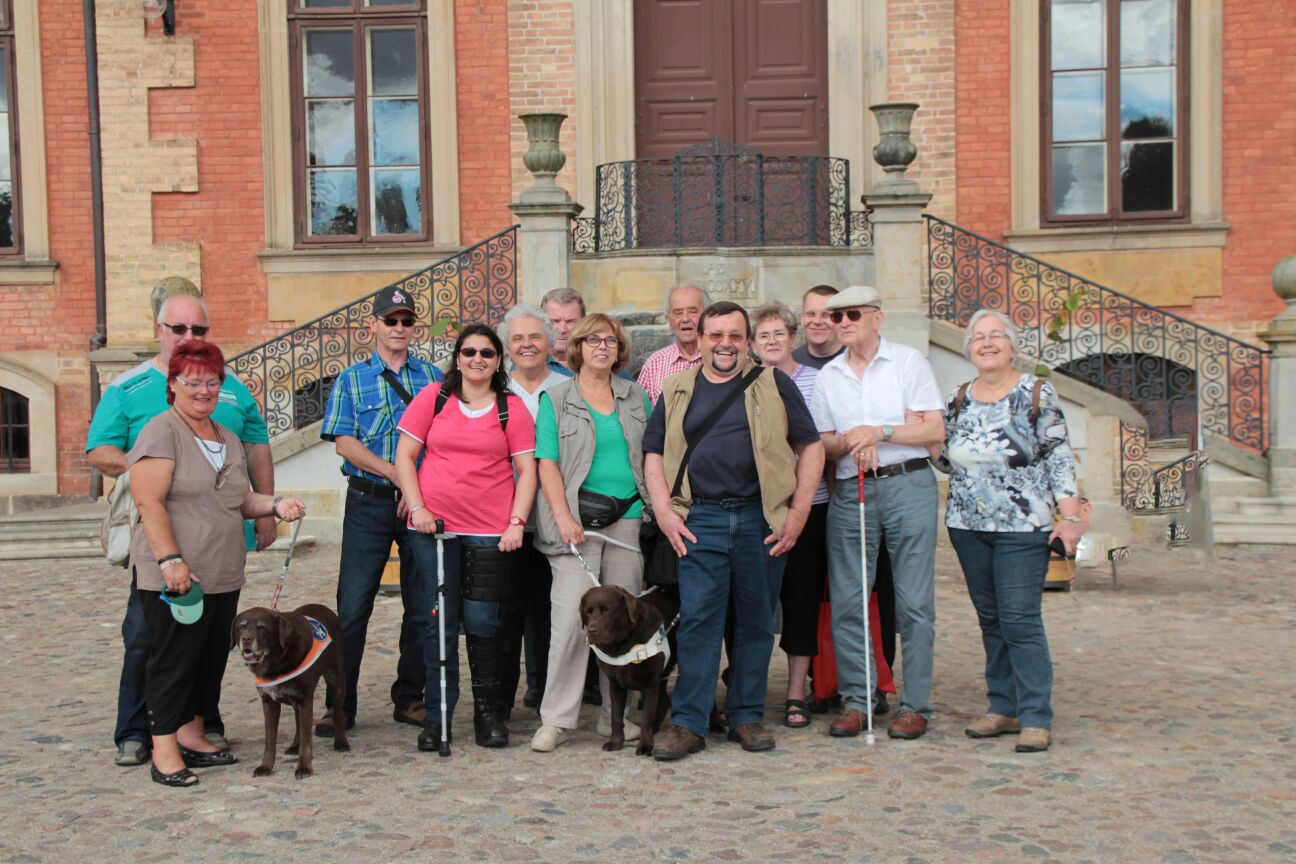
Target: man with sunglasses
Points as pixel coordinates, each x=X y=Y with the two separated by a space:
x=860 y=404
x=368 y=400
x=128 y=403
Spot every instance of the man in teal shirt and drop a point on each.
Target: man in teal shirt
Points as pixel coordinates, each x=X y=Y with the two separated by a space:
x=133 y=399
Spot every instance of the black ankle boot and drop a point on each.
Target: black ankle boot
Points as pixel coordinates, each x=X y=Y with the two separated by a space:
x=429 y=740
x=486 y=661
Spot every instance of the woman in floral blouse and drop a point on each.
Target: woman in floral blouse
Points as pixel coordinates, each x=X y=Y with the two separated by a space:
x=1011 y=465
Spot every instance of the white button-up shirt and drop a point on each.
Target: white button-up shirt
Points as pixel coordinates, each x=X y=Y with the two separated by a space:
x=897 y=380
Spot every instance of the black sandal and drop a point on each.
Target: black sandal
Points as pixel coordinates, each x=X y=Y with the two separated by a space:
x=183 y=777
x=796 y=708
x=206 y=758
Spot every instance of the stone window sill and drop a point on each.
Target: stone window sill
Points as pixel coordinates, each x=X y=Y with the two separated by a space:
x=19 y=271
x=1119 y=238
x=299 y=262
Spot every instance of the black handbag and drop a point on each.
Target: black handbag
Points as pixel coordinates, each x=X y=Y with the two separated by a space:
x=661 y=561
x=598 y=511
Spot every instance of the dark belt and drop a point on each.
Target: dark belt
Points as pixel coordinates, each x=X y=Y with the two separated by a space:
x=898 y=468
x=368 y=487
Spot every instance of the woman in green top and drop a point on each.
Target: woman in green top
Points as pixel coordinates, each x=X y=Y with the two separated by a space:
x=589 y=438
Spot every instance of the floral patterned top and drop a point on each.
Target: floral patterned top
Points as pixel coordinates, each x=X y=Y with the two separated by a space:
x=1004 y=475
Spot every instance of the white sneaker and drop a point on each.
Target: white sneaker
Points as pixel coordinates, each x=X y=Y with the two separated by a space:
x=548 y=737
x=604 y=728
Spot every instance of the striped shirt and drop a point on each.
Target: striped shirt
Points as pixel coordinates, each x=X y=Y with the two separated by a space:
x=365 y=407
x=805 y=377
x=662 y=364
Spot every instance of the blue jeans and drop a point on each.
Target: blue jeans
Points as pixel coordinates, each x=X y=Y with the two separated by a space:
x=901 y=511
x=132 y=715
x=730 y=553
x=369 y=528
x=1005 y=577
x=480 y=617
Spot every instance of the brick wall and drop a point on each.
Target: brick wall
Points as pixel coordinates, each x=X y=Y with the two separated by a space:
x=983 y=126
x=921 y=68
x=542 y=78
x=482 y=69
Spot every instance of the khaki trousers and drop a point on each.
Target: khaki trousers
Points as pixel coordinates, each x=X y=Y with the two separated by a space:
x=568 y=650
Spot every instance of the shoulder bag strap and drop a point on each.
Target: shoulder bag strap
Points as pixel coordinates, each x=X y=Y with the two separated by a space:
x=1035 y=400
x=710 y=422
x=960 y=398
x=390 y=377
x=501 y=405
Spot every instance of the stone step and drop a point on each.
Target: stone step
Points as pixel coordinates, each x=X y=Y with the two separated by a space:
x=1243 y=528
x=1266 y=506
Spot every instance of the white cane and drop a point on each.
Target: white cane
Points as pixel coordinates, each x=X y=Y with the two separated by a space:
x=868 y=634
x=438 y=611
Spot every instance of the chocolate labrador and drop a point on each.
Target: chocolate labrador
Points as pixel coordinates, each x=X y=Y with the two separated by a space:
x=616 y=622
x=288 y=652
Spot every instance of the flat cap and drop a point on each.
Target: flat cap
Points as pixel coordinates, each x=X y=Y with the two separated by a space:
x=855 y=295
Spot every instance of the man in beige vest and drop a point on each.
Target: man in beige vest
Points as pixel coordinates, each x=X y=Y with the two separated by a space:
x=732 y=515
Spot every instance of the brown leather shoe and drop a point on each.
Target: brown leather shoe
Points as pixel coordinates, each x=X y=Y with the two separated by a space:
x=677 y=743
x=991 y=725
x=908 y=725
x=1034 y=740
x=753 y=737
x=851 y=722
x=413 y=714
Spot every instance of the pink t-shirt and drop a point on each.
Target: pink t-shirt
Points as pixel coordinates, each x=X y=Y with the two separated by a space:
x=467 y=473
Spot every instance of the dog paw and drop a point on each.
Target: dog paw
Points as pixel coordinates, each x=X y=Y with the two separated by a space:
x=341 y=747
x=263 y=771
x=303 y=773
x=645 y=748
x=291 y=751
x=613 y=746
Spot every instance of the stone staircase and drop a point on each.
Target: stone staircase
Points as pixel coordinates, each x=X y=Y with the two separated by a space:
x=1255 y=520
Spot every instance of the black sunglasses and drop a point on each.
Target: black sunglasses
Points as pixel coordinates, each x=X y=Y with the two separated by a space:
x=852 y=314
x=486 y=353
x=198 y=330
x=393 y=321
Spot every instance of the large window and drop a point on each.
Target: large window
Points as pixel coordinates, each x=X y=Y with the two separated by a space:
x=9 y=235
x=360 y=122
x=1115 y=101
x=15 y=433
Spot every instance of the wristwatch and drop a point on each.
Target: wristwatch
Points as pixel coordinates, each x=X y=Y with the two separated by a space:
x=887 y=432
x=516 y=520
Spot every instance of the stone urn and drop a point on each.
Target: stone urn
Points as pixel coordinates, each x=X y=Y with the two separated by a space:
x=543 y=157
x=894 y=151
x=1284 y=285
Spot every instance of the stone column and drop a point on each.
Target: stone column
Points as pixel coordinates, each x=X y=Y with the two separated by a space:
x=1281 y=337
x=544 y=211
x=896 y=206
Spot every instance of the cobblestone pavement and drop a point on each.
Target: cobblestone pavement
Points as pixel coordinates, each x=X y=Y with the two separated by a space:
x=1173 y=743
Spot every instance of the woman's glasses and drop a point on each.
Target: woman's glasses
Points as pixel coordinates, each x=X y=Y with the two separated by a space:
x=594 y=341
x=486 y=353
x=199 y=330
x=195 y=386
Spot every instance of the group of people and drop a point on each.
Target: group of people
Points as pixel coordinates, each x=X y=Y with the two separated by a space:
x=526 y=473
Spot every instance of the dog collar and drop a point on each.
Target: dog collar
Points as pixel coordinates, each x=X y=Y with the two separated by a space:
x=658 y=644
x=320 y=639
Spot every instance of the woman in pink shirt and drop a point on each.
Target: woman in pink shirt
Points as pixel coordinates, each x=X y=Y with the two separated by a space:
x=472 y=434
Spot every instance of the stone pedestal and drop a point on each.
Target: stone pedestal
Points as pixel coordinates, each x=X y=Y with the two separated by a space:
x=897 y=217
x=1281 y=337
x=544 y=212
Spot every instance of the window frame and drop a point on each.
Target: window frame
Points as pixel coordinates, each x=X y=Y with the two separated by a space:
x=1114 y=214
x=8 y=44
x=9 y=464
x=359 y=20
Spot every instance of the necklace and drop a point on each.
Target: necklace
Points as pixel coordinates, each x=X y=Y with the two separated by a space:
x=219 y=446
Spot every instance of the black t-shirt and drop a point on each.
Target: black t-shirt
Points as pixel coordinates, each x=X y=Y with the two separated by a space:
x=803 y=356
x=723 y=464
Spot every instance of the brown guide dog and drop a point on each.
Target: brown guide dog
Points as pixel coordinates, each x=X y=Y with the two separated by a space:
x=615 y=621
x=274 y=644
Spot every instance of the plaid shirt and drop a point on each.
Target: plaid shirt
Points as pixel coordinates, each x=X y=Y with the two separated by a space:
x=661 y=364
x=365 y=407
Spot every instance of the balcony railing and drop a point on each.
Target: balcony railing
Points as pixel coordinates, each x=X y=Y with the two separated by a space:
x=291 y=375
x=1179 y=374
x=717 y=195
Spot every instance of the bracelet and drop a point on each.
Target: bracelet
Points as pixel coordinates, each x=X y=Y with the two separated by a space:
x=170 y=562
x=274 y=508
x=1072 y=519
x=414 y=510
x=174 y=556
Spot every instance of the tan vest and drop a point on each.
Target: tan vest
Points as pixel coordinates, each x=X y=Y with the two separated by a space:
x=767 y=419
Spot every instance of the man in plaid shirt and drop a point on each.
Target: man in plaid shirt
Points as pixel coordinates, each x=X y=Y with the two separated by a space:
x=367 y=402
x=684 y=305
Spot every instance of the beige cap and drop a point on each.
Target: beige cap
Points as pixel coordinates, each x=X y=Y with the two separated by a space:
x=855 y=295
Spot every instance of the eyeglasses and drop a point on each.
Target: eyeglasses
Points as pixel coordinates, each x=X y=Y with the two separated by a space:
x=486 y=353
x=997 y=335
x=392 y=321
x=594 y=341
x=195 y=386
x=852 y=314
x=772 y=336
x=199 y=330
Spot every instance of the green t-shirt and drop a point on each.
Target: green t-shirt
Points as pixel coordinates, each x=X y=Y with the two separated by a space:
x=609 y=473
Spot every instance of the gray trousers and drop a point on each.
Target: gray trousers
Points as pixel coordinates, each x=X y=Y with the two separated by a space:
x=904 y=507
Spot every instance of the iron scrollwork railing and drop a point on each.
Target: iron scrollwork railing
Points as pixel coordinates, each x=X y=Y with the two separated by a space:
x=1170 y=483
x=292 y=374
x=1179 y=374
x=719 y=195
x=1135 y=470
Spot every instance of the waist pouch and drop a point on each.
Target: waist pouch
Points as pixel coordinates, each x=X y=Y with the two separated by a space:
x=598 y=510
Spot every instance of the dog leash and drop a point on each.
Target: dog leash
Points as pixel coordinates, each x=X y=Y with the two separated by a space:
x=283 y=574
x=586 y=567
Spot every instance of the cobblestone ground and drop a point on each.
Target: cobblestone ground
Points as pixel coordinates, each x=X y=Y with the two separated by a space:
x=1173 y=742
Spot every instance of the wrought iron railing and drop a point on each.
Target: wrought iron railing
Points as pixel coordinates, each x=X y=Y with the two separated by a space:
x=716 y=194
x=1135 y=470
x=1178 y=373
x=292 y=374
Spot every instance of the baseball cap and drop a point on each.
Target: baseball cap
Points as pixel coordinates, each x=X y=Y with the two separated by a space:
x=855 y=295
x=187 y=607
x=390 y=299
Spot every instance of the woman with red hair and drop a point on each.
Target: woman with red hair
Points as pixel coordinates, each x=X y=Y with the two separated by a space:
x=189 y=480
